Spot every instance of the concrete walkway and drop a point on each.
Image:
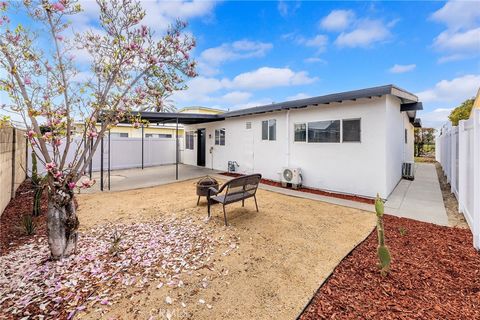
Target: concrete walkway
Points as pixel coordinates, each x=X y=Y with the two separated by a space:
x=420 y=199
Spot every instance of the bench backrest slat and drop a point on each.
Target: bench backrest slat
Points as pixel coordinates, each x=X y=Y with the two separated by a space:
x=242 y=187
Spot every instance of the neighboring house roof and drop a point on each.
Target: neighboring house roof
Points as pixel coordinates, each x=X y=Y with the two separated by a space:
x=198 y=109
x=409 y=104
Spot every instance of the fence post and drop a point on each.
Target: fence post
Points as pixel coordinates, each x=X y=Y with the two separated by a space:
x=462 y=169
x=453 y=163
x=476 y=179
x=14 y=142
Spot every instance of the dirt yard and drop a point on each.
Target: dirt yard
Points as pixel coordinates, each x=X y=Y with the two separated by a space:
x=275 y=263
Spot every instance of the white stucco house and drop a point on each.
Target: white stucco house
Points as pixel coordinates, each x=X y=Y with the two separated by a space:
x=351 y=142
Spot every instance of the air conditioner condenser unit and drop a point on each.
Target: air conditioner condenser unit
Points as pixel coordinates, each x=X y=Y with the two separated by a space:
x=292 y=176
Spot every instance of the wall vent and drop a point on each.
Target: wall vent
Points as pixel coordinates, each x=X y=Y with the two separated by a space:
x=248 y=125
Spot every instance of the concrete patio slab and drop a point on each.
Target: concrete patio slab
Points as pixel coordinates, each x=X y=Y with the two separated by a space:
x=137 y=178
x=420 y=199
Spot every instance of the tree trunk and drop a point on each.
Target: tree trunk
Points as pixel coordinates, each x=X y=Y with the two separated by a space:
x=62 y=225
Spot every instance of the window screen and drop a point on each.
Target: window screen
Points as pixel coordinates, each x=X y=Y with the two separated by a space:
x=272 y=129
x=189 y=140
x=264 y=130
x=220 y=137
x=300 y=132
x=351 y=130
x=324 y=131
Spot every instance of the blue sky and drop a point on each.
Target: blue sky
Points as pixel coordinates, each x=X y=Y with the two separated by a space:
x=252 y=53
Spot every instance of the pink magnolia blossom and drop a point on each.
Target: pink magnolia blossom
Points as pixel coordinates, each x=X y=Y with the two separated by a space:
x=27 y=80
x=31 y=134
x=71 y=185
x=57 y=142
x=58 y=175
x=59 y=37
x=47 y=135
x=58 y=6
x=50 y=166
x=87 y=183
x=92 y=133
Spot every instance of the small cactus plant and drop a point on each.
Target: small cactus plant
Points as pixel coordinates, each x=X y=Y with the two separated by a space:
x=383 y=253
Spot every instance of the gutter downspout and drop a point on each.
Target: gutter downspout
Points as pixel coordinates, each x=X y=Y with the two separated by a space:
x=288 y=138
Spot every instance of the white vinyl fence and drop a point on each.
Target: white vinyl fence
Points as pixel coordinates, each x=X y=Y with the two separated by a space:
x=458 y=151
x=126 y=153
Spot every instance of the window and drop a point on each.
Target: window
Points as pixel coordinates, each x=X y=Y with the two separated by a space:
x=324 y=131
x=119 y=134
x=351 y=130
x=269 y=130
x=148 y=135
x=406 y=136
x=300 y=132
x=189 y=140
x=164 y=135
x=220 y=137
x=248 y=125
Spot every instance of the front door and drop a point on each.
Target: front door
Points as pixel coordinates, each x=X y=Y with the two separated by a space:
x=201 y=147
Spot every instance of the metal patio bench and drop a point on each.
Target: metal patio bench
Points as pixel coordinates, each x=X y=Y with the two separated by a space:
x=237 y=189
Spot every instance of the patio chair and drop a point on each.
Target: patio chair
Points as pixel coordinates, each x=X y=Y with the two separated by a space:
x=237 y=189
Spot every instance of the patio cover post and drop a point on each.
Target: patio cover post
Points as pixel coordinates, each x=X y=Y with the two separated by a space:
x=142 y=145
x=176 y=151
x=101 y=163
x=91 y=160
x=109 y=158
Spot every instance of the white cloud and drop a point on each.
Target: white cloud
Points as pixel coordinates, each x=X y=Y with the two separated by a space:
x=399 y=68
x=286 y=9
x=211 y=58
x=159 y=14
x=458 y=41
x=461 y=39
x=233 y=91
x=315 y=60
x=365 y=34
x=338 y=20
x=236 y=97
x=267 y=77
x=448 y=92
x=298 y=96
x=458 y=14
x=319 y=41
x=435 y=118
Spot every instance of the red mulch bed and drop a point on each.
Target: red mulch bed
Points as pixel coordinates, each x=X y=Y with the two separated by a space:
x=11 y=233
x=309 y=190
x=435 y=274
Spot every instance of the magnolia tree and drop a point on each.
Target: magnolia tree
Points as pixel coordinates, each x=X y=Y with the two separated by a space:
x=129 y=68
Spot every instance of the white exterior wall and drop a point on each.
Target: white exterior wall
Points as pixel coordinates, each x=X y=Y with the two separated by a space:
x=363 y=168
